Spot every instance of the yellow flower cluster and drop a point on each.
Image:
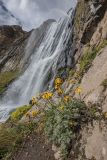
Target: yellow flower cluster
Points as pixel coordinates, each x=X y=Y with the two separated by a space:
x=58 y=83
x=78 y=90
x=34 y=101
x=59 y=91
x=27 y=114
x=72 y=81
x=105 y=115
x=47 y=95
x=66 y=98
x=34 y=113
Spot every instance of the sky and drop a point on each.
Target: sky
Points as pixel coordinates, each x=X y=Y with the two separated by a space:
x=32 y=13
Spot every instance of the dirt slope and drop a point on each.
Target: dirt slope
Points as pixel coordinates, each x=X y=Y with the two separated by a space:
x=34 y=148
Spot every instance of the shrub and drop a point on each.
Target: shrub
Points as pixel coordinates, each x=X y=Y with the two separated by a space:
x=18 y=114
x=64 y=121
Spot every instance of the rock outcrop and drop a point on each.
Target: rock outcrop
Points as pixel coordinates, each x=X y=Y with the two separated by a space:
x=12 y=44
x=88 y=16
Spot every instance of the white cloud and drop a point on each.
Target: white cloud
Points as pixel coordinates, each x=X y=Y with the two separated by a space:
x=32 y=13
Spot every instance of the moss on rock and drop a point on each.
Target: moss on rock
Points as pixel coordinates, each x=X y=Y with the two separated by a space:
x=19 y=113
x=6 y=78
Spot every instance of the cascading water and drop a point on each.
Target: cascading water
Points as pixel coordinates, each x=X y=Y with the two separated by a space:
x=42 y=60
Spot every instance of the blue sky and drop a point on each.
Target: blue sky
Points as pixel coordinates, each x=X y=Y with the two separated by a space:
x=31 y=13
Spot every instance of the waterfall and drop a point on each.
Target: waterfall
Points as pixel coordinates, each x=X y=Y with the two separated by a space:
x=43 y=58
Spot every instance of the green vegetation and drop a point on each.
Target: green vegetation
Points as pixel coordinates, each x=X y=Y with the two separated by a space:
x=64 y=121
x=13 y=133
x=18 y=114
x=88 y=57
x=6 y=78
x=63 y=71
x=104 y=84
x=102 y=45
x=86 y=60
x=72 y=72
x=12 y=136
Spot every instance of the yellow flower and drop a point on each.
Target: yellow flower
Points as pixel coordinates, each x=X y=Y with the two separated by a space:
x=66 y=98
x=47 y=95
x=27 y=114
x=58 y=81
x=61 y=108
x=35 y=113
x=105 y=115
x=33 y=98
x=34 y=101
x=50 y=94
x=72 y=81
x=56 y=87
x=78 y=90
x=59 y=91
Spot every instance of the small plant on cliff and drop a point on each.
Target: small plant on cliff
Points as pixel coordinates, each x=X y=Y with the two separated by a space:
x=33 y=101
x=64 y=121
x=86 y=61
x=19 y=113
x=47 y=95
x=88 y=57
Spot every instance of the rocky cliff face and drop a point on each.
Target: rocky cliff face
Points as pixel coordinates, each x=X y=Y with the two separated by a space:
x=90 y=39
x=12 y=43
x=89 y=14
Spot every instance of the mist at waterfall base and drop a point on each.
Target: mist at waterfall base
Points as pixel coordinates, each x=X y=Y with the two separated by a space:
x=46 y=57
